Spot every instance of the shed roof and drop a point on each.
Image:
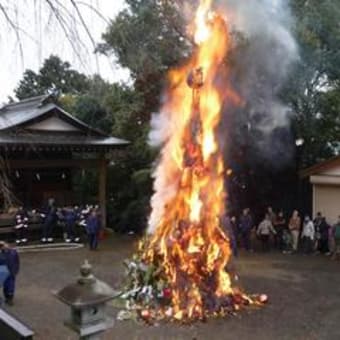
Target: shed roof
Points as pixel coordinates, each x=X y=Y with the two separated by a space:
x=320 y=167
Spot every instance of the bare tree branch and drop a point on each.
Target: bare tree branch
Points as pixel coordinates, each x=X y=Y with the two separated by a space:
x=86 y=29
x=64 y=27
x=71 y=17
x=15 y=28
x=94 y=10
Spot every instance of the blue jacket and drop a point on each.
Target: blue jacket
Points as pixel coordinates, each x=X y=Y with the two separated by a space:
x=51 y=214
x=246 y=223
x=10 y=258
x=92 y=225
x=70 y=216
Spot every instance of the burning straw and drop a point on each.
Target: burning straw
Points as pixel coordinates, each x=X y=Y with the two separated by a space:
x=181 y=269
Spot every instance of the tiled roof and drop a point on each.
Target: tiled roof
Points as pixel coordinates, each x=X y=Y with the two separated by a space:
x=14 y=117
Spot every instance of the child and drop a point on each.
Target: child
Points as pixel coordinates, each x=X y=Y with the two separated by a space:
x=264 y=229
x=92 y=229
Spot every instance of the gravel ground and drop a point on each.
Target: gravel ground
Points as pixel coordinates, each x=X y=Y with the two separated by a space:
x=304 y=294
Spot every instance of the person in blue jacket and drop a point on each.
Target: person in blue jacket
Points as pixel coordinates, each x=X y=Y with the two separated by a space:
x=246 y=225
x=70 y=216
x=9 y=257
x=50 y=215
x=92 y=229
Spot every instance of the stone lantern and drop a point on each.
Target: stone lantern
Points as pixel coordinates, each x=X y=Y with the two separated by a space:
x=87 y=298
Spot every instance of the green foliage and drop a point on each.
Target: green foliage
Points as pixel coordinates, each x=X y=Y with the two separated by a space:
x=148 y=39
x=314 y=86
x=55 y=76
x=89 y=109
x=85 y=186
x=129 y=197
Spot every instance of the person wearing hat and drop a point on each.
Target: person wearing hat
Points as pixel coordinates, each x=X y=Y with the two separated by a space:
x=9 y=257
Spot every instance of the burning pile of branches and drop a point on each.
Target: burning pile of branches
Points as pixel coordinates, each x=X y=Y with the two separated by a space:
x=148 y=294
x=181 y=269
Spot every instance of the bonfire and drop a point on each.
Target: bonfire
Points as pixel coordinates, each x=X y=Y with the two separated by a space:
x=182 y=268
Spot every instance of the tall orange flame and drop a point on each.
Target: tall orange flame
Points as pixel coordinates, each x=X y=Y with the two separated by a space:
x=187 y=239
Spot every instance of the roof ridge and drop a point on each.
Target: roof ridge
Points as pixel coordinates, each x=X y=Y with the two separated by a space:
x=32 y=100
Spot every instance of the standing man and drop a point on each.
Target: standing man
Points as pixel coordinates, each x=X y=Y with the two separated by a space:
x=92 y=228
x=279 y=226
x=70 y=216
x=307 y=235
x=324 y=233
x=246 y=225
x=295 y=227
x=317 y=222
x=9 y=257
x=49 y=222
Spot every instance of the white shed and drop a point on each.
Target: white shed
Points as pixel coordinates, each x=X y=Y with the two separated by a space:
x=325 y=179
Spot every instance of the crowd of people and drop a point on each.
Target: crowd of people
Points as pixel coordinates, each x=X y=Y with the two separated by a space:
x=275 y=231
x=289 y=235
x=70 y=221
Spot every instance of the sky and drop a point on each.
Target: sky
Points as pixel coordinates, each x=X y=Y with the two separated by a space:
x=40 y=35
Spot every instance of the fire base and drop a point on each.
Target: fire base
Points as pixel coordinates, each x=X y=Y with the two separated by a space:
x=147 y=296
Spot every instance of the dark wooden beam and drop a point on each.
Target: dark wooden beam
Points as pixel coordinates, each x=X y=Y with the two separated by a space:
x=53 y=163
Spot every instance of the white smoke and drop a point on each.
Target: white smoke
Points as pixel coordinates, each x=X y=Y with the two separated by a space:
x=164 y=186
x=265 y=64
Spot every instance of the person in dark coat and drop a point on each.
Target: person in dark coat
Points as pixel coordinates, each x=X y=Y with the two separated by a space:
x=246 y=225
x=70 y=217
x=50 y=216
x=280 y=226
x=317 y=222
x=92 y=229
x=324 y=231
x=9 y=257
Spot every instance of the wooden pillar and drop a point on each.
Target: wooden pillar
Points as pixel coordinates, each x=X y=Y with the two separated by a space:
x=102 y=176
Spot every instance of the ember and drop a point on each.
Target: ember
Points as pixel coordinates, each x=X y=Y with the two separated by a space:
x=181 y=271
